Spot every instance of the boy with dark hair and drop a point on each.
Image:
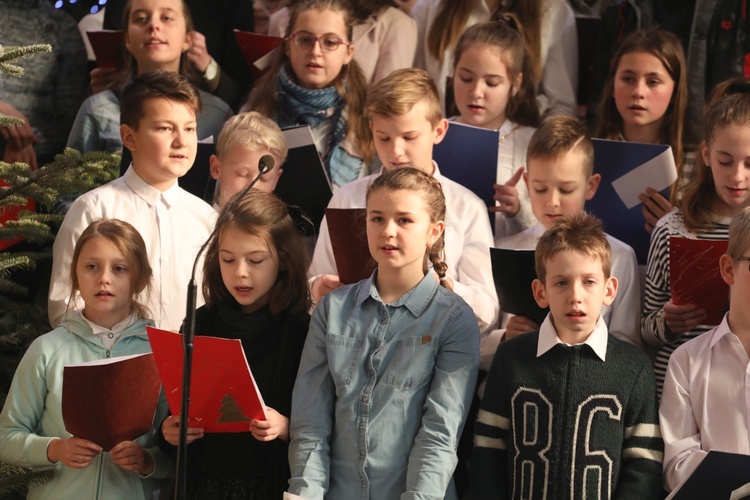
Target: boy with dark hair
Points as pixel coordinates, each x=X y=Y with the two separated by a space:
x=569 y=410
x=158 y=125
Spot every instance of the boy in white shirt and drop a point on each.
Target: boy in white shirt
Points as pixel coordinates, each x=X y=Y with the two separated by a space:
x=158 y=125
x=559 y=176
x=704 y=404
x=406 y=123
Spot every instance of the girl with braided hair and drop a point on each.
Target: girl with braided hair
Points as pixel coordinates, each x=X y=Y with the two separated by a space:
x=390 y=363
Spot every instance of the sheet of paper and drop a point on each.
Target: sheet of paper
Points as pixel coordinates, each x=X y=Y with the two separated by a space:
x=658 y=173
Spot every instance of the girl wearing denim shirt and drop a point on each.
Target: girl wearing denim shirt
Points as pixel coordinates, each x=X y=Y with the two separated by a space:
x=389 y=364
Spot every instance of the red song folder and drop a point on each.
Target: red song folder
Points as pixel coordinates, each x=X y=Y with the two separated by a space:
x=258 y=50
x=348 y=230
x=694 y=276
x=223 y=394
x=108 y=47
x=110 y=400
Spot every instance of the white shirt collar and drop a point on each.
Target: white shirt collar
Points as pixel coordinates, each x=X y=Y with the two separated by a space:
x=548 y=338
x=147 y=192
x=537 y=229
x=721 y=331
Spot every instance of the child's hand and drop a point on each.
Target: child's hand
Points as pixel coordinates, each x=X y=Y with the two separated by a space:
x=683 y=318
x=130 y=456
x=74 y=452
x=654 y=207
x=276 y=426
x=170 y=428
x=102 y=78
x=518 y=325
x=323 y=284
x=507 y=196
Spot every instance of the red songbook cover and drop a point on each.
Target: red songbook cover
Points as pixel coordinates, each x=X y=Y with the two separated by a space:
x=11 y=213
x=347 y=228
x=110 y=400
x=108 y=47
x=257 y=50
x=694 y=276
x=223 y=394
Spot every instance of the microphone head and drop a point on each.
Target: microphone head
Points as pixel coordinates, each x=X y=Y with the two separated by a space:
x=265 y=164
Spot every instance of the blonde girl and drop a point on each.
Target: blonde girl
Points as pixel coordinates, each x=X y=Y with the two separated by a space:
x=255 y=286
x=719 y=190
x=159 y=34
x=644 y=100
x=315 y=81
x=389 y=364
x=109 y=269
x=493 y=87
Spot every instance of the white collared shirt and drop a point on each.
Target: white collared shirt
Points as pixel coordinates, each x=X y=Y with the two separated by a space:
x=597 y=339
x=109 y=336
x=705 y=404
x=468 y=239
x=173 y=224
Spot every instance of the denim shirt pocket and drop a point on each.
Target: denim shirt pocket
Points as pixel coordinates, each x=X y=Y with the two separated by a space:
x=413 y=362
x=343 y=353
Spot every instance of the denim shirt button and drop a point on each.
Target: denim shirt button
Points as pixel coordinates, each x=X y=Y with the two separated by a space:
x=364 y=485
x=365 y=399
x=362 y=427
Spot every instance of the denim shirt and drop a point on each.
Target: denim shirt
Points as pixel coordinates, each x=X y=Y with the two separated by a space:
x=382 y=393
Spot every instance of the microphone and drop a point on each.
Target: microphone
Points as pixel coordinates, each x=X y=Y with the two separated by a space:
x=265 y=164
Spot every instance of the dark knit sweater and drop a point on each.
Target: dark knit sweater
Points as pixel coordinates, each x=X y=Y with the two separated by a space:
x=567 y=425
x=273 y=347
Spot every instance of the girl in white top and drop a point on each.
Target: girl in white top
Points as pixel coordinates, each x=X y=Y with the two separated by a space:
x=385 y=37
x=493 y=85
x=550 y=33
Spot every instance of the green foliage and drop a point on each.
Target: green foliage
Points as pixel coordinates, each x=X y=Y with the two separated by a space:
x=8 y=54
x=22 y=319
x=14 y=478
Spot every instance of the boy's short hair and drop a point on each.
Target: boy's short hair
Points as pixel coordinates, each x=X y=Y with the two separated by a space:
x=557 y=136
x=399 y=92
x=582 y=233
x=254 y=132
x=739 y=234
x=151 y=85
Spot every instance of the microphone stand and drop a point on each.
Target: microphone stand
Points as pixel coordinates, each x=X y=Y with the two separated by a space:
x=188 y=336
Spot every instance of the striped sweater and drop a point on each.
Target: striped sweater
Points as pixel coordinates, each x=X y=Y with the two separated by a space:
x=567 y=425
x=653 y=327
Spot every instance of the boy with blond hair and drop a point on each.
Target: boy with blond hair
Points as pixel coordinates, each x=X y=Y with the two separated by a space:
x=243 y=140
x=406 y=123
x=158 y=126
x=569 y=411
x=704 y=405
x=560 y=178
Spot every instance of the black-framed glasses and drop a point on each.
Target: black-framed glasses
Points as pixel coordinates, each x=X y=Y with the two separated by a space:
x=744 y=258
x=328 y=42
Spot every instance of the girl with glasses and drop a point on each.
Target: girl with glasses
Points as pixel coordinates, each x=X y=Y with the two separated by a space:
x=315 y=81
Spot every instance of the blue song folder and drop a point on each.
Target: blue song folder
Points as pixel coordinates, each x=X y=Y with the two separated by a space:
x=717 y=476
x=627 y=169
x=468 y=156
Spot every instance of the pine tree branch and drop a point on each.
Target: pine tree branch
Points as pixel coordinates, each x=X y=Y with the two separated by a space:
x=13 y=53
x=13 y=477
